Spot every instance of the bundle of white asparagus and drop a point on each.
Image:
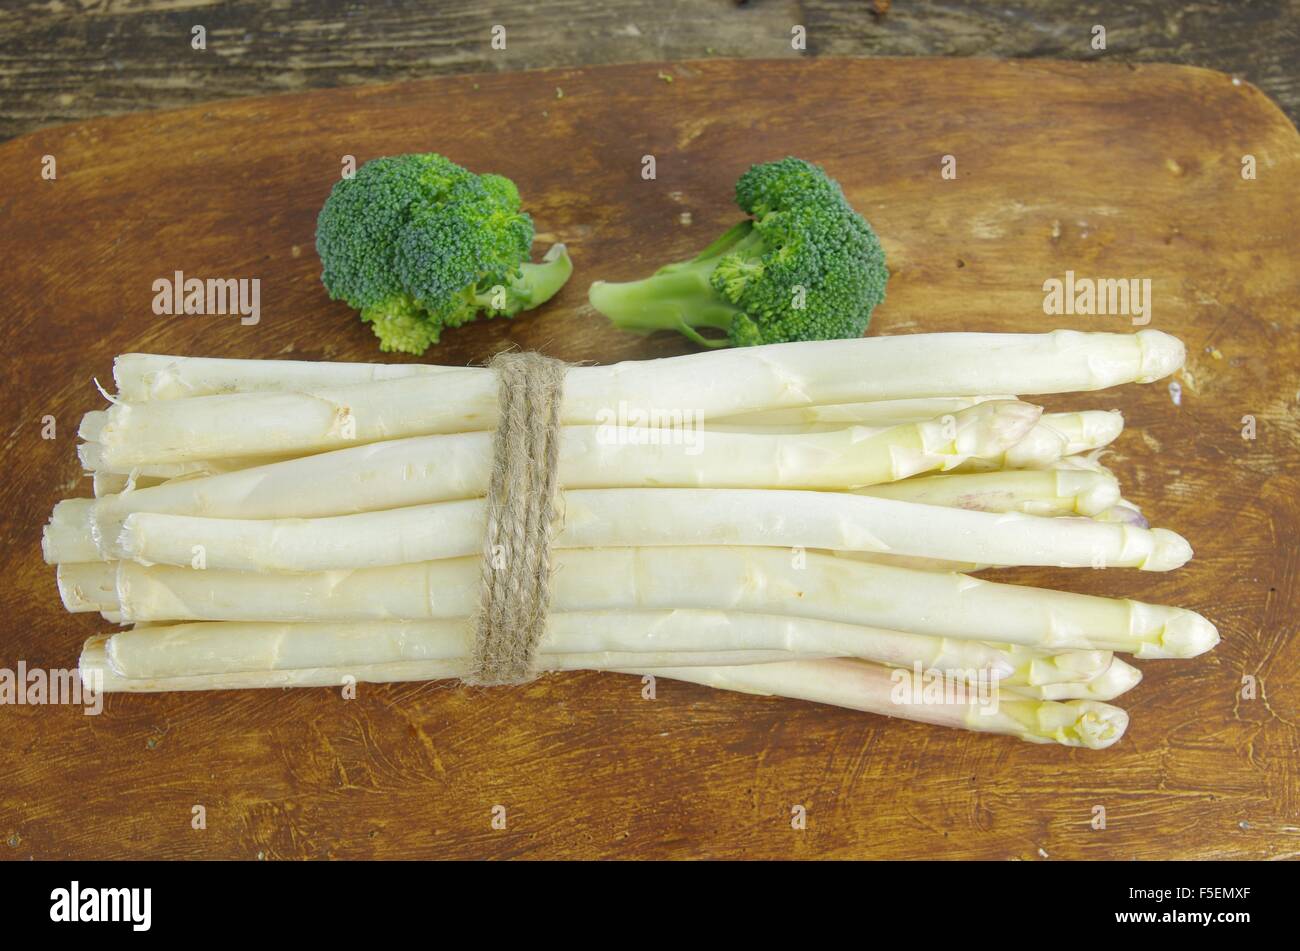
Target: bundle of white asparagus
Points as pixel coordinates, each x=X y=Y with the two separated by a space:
x=800 y=520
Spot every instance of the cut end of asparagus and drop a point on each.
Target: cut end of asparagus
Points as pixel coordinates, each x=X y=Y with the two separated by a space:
x=86 y=587
x=1186 y=634
x=92 y=425
x=93 y=664
x=1161 y=355
x=1169 y=550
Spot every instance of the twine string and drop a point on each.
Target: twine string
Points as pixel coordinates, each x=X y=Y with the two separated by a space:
x=515 y=583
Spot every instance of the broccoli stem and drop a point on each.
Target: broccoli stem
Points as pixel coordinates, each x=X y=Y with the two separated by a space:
x=533 y=286
x=538 y=283
x=679 y=296
x=681 y=299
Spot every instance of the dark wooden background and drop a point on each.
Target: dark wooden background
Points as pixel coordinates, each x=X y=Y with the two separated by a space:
x=1107 y=170
x=77 y=59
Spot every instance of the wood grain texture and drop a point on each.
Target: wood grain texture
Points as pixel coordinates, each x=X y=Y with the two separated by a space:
x=77 y=59
x=1112 y=172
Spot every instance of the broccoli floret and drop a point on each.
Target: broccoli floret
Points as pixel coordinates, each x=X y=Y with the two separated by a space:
x=417 y=244
x=805 y=266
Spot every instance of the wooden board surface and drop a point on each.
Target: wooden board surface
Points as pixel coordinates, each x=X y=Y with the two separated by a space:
x=1110 y=172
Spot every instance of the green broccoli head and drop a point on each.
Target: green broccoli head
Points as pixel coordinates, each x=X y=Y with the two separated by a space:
x=805 y=266
x=417 y=243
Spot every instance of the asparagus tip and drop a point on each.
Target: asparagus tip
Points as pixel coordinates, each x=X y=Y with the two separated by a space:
x=1168 y=551
x=1099 y=725
x=1102 y=428
x=1187 y=634
x=1161 y=355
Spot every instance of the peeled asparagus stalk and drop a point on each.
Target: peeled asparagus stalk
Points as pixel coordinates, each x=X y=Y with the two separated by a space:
x=842 y=682
x=858 y=685
x=691 y=635
x=91 y=455
x=758 y=378
x=596 y=640
x=760 y=580
x=141 y=377
x=1033 y=363
x=1049 y=492
x=605 y=518
x=439 y=468
x=99 y=674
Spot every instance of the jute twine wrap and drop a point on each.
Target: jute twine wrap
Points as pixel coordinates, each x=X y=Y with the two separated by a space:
x=515 y=588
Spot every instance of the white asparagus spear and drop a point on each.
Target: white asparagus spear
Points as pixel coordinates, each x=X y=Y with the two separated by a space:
x=665 y=638
x=1041 y=500
x=871 y=688
x=612 y=518
x=219 y=647
x=1118 y=678
x=770 y=377
x=1032 y=491
x=91 y=455
x=141 y=377
x=760 y=580
x=1092 y=361
x=1042 y=446
x=439 y=468
x=96 y=665
x=859 y=687
x=592 y=456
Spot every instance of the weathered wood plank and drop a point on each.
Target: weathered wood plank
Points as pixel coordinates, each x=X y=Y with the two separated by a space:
x=62 y=62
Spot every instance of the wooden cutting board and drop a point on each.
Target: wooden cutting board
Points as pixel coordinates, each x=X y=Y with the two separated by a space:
x=1116 y=172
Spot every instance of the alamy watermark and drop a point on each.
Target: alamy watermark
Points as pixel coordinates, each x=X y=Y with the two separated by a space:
x=1123 y=296
x=924 y=686
x=38 y=686
x=181 y=295
x=651 y=426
